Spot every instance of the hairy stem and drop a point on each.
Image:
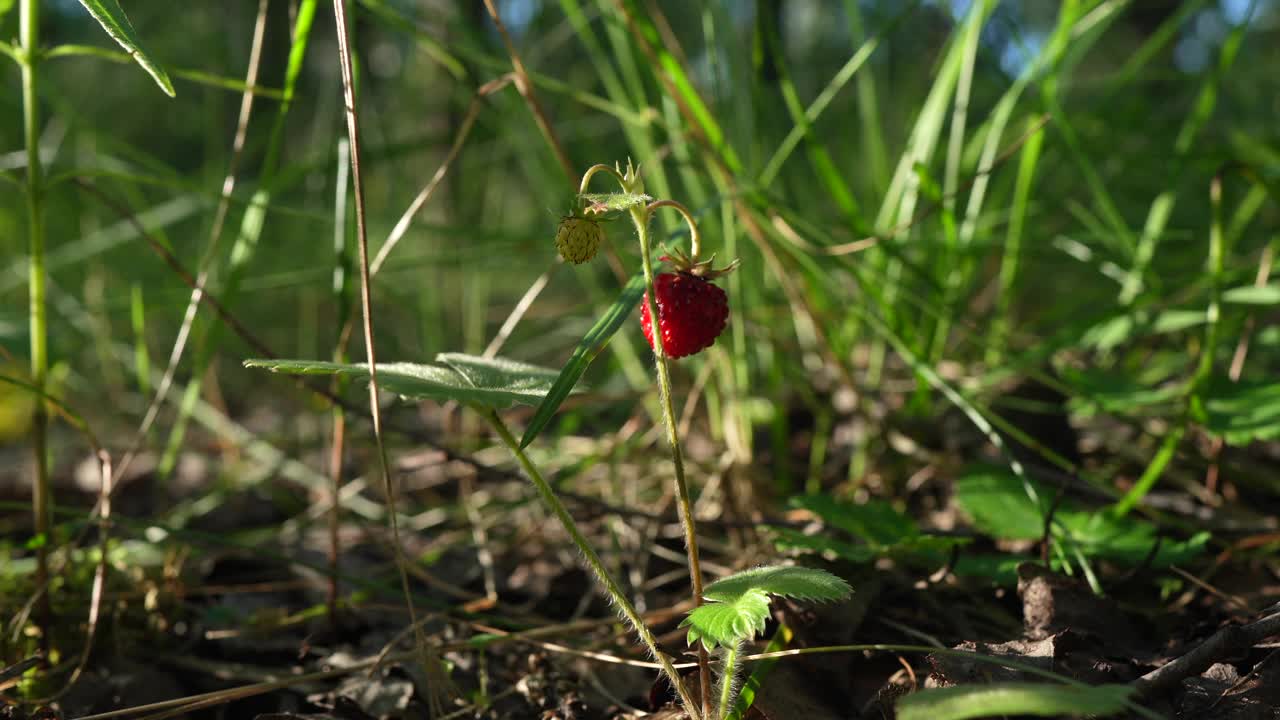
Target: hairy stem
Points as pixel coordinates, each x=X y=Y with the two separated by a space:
x=695 y=238
x=640 y=216
x=593 y=561
x=586 y=176
x=728 y=680
x=41 y=500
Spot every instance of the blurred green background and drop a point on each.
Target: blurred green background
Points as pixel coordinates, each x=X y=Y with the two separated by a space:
x=1030 y=180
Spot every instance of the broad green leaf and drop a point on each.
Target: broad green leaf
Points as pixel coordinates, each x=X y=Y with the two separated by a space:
x=1127 y=540
x=990 y=701
x=728 y=623
x=500 y=374
x=998 y=505
x=921 y=549
x=500 y=388
x=1253 y=295
x=876 y=522
x=999 y=569
x=789 y=539
x=1125 y=392
x=111 y=17
x=793 y=582
x=1241 y=413
x=590 y=346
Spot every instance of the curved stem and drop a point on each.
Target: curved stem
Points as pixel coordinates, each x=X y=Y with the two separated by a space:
x=695 y=238
x=586 y=176
x=640 y=216
x=593 y=561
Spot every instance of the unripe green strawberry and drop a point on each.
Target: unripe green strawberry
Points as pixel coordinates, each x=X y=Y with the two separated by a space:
x=691 y=313
x=578 y=238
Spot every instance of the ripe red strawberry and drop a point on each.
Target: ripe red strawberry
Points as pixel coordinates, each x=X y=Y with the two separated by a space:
x=691 y=313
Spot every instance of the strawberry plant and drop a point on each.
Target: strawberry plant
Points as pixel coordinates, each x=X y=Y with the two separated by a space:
x=740 y=607
x=691 y=313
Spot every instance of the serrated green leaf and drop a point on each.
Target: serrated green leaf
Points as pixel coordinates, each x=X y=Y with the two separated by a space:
x=730 y=622
x=794 y=582
x=417 y=381
x=1038 y=699
x=111 y=17
x=590 y=346
x=740 y=602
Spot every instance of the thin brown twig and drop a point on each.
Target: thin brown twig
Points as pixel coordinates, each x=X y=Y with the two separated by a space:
x=366 y=305
x=525 y=87
x=1222 y=643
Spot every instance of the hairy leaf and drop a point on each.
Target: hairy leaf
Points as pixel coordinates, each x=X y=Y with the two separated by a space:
x=794 y=582
x=616 y=201
x=487 y=383
x=728 y=623
x=740 y=602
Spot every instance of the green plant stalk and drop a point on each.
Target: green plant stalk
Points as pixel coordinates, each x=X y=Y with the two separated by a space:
x=41 y=497
x=592 y=559
x=640 y=216
x=728 y=672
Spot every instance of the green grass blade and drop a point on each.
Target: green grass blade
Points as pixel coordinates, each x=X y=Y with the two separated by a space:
x=111 y=17
x=803 y=118
x=868 y=104
x=590 y=346
x=1038 y=699
x=681 y=85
